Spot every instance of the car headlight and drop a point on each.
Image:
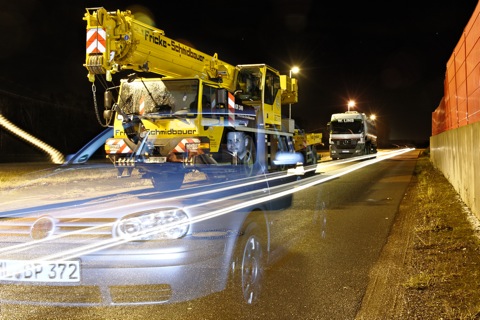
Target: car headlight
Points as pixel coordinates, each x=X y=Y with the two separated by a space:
x=172 y=223
x=287 y=158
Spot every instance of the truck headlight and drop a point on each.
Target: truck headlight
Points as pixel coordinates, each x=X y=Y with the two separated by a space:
x=172 y=223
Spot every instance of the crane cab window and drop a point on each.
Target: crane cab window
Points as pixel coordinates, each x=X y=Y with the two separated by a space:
x=249 y=85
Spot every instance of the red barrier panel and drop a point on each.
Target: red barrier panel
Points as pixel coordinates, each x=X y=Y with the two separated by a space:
x=460 y=105
x=438 y=119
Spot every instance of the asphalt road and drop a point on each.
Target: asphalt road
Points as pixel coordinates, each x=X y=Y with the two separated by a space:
x=323 y=246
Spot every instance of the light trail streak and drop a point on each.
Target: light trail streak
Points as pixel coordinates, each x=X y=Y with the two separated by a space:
x=97 y=246
x=55 y=155
x=25 y=246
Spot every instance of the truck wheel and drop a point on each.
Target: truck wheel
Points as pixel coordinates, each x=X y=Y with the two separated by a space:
x=249 y=162
x=314 y=157
x=167 y=181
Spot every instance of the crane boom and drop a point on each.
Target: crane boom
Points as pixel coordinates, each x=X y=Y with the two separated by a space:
x=116 y=41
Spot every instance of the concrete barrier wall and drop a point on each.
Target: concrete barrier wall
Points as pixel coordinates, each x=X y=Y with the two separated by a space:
x=456 y=153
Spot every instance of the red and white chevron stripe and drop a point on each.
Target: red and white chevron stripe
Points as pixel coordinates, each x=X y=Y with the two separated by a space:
x=117 y=146
x=142 y=107
x=231 y=109
x=96 y=40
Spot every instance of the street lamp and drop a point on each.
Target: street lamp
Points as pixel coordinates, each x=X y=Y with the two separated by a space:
x=351 y=104
x=294 y=70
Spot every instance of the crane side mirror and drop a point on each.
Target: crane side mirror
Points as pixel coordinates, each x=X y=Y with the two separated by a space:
x=222 y=97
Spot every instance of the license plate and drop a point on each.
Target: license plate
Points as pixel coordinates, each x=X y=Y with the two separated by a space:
x=41 y=271
x=157 y=160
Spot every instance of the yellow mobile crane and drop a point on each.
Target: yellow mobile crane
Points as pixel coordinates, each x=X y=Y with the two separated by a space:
x=198 y=113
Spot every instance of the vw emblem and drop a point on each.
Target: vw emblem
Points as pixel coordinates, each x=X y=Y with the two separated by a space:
x=42 y=228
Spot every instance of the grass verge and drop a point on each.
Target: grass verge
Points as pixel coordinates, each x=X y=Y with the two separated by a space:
x=443 y=276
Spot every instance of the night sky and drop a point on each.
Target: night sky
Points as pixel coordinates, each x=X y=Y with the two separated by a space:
x=390 y=57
